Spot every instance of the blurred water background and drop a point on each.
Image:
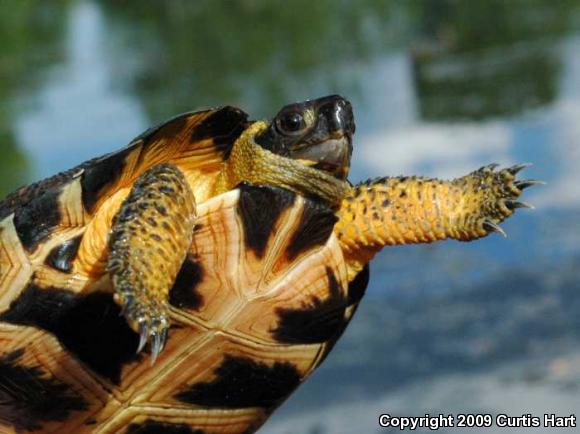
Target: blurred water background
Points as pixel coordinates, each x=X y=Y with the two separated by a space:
x=439 y=89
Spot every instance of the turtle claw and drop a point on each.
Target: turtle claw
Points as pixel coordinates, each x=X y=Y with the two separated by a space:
x=143 y=334
x=151 y=323
x=490 y=226
x=514 y=204
x=157 y=344
x=498 y=192
x=514 y=170
x=522 y=185
x=153 y=332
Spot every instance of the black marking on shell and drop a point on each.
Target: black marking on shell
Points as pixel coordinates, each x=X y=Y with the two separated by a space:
x=167 y=129
x=29 y=193
x=314 y=229
x=62 y=256
x=356 y=290
x=260 y=208
x=90 y=326
x=224 y=127
x=151 y=426
x=184 y=294
x=35 y=220
x=358 y=286
x=101 y=174
x=316 y=322
x=29 y=396
x=242 y=382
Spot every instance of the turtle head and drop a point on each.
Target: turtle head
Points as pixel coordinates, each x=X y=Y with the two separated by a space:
x=317 y=132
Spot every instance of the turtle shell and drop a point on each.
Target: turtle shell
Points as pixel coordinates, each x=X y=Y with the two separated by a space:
x=197 y=143
x=258 y=303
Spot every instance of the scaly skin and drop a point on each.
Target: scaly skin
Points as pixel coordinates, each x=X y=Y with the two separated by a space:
x=251 y=163
x=407 y=210
x=149 y=240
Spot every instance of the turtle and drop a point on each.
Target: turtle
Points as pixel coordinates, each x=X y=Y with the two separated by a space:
x=191 y=281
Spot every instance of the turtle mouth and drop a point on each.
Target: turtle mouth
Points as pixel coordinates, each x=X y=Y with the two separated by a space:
x=332 y=155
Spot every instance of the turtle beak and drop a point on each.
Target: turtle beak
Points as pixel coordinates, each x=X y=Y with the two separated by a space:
x=332 y=155
x=329 y=146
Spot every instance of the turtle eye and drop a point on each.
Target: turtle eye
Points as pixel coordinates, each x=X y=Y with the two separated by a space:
x=291 y=123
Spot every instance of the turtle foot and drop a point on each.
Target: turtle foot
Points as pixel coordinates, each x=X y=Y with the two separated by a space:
x=149 y=319
x=499 y=192
x=148 y=242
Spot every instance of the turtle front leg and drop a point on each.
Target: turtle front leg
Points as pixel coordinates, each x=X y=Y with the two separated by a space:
x=406 y=210
x=148 y=243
